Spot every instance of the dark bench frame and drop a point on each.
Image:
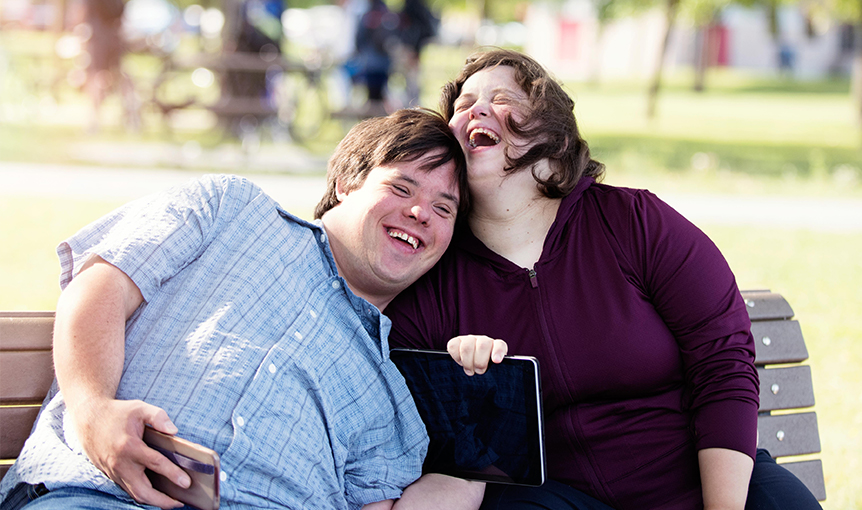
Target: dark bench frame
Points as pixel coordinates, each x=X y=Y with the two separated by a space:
x=26 y=374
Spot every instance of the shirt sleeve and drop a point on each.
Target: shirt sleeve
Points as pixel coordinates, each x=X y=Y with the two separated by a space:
x=388 y=455
x=153 y=238
x=693 y=289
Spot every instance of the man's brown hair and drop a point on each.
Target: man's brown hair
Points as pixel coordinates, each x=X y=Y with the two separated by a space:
x=406 y=135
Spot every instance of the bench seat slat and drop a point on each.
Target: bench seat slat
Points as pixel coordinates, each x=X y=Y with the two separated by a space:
x=786 y=388
x=788 y=434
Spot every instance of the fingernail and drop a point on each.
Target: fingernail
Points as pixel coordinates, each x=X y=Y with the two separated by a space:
x=184 y=482
x=170 y=428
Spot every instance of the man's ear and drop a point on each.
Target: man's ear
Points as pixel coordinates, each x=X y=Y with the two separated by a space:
x=339 y=191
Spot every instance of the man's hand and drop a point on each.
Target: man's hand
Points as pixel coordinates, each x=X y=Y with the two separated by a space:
x=110 y=432
x=475 y=352
x=89 y=346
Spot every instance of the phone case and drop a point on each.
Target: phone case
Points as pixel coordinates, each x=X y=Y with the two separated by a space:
x=201 y=464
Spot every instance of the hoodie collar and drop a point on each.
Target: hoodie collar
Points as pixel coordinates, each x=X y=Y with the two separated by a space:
x=465 y=240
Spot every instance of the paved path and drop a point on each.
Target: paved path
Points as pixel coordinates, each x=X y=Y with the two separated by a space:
x=124 y=184
x=303 y=192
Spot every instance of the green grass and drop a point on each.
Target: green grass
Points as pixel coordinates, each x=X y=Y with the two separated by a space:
x=744 y=135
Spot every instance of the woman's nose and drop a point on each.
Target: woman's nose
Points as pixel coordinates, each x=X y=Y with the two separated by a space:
x=479 y=109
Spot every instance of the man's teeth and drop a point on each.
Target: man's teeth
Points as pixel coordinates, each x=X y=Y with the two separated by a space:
x=404 y=237
x=474 y=135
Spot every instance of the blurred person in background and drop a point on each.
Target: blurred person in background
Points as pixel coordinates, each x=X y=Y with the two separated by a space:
x=418 y=26
x=376 y=37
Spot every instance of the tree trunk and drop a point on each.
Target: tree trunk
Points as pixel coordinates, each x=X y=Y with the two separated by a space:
x=701 y=57
x=856 y=80
x=670 y=15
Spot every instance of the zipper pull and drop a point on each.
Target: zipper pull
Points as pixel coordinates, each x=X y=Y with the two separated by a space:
x=533 y=281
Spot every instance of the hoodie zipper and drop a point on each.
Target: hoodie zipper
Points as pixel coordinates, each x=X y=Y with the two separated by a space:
x=533 y=281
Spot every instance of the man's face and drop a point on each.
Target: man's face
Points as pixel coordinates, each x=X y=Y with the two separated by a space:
x=389 y=232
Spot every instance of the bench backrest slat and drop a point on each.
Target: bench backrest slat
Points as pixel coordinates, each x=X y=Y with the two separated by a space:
x=778 y=341
x=789 y=434
x=786 y=388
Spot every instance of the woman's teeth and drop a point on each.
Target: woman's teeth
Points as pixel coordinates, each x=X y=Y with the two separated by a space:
x=483 y=137
x=406 y=238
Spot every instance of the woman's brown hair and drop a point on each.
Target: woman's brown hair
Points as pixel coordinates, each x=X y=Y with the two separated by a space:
x=550 y=121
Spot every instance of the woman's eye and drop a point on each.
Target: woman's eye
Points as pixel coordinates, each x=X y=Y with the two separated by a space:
x=463 y=105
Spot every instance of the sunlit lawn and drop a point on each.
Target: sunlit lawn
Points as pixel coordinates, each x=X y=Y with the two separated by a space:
x=743 y=135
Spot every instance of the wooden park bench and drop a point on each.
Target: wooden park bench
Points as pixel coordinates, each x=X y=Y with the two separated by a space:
x=785 y=426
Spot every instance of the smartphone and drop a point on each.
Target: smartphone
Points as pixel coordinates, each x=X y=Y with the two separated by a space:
x=201 y=464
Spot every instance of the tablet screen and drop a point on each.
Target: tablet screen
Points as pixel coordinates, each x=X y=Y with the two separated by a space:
x=486 y=427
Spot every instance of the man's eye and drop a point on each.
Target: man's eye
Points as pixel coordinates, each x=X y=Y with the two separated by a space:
x=444 y=210
x=401 y=189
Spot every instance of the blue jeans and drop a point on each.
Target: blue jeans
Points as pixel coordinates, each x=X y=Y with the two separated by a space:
x=36 y=497
x=772 y=487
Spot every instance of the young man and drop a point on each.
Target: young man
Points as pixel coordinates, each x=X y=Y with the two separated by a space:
x=209 y=312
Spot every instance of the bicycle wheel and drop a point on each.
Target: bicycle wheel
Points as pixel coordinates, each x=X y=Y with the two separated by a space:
x=303 y=105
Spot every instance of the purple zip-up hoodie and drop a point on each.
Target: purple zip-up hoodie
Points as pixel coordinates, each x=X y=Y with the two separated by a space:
x=642 y=336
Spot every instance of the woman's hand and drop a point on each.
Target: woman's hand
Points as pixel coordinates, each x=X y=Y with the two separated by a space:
x=474 y=352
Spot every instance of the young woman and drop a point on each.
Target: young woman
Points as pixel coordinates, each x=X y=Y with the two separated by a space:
x=650 y=391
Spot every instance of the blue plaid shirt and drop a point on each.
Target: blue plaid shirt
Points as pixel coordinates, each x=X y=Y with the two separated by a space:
x=254 y=346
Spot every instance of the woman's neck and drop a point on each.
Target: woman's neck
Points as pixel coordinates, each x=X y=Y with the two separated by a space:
x=513 y=219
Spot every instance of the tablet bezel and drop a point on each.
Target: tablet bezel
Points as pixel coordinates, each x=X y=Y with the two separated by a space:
x=533 y=401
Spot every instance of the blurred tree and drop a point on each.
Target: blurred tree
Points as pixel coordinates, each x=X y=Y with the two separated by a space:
x=671 y=8
x=851 y=11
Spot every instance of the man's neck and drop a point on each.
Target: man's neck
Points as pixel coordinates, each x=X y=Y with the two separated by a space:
x=338 y=254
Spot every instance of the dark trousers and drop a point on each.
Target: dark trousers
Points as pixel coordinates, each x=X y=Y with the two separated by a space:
x=772 y=487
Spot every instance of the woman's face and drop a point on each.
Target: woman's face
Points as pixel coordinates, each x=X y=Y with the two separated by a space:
x=487 y=99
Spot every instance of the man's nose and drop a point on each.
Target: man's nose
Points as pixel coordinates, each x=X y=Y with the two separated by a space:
x=420 y=213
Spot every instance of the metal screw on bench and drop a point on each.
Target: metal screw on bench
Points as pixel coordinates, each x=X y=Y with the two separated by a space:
x=766 y=340
x=780 y=435
x=774 y=388
x=749 y=303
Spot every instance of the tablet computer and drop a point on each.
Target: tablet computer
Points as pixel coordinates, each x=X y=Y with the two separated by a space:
x=484 y=427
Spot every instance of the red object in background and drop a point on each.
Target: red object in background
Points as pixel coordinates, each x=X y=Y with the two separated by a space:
x=569 y=47
x=719 y=42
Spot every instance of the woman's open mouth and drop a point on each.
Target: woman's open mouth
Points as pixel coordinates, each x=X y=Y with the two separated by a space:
x=481 y=137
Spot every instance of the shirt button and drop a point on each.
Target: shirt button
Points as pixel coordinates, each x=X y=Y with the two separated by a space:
x=298 y=335
x=271 y=368
x=240 y=421
x=336 y=285
x=322 y=238
x=222 y=476
x=313 y=314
